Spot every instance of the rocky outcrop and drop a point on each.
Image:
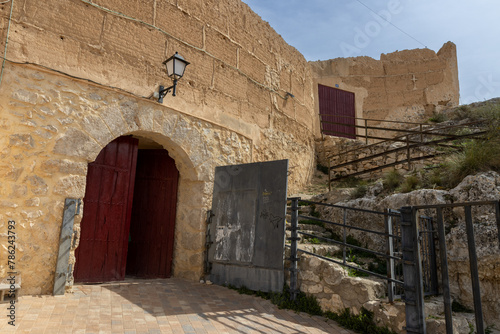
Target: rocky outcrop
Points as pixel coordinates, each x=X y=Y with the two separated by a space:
x=480 y=187
x=333 y=288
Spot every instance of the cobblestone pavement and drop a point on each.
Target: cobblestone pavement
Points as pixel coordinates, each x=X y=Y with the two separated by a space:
x=158 y=306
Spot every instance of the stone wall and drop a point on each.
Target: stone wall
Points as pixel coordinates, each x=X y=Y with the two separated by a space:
x=335 y=290
x=81 y=73
x=404 y=85
x=239 y=74
x=52 y=126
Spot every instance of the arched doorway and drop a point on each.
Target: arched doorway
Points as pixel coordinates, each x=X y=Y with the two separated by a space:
x=129 y=214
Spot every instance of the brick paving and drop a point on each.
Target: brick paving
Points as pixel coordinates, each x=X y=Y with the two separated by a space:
x=158 y=306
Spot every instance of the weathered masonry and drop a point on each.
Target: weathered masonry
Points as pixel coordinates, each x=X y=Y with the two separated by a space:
x=78 y=119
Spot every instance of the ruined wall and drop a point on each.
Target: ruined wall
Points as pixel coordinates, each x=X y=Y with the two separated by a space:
x=79 y=74
x=404 y=85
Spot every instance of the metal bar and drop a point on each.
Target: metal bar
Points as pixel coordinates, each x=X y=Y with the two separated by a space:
x=366 y=131
x=454 y=205
x=408 y=151
x=351 y=227
x=349 y=245
x=293 y=251
x=349 y=266
x=497 y=214
x=412 y=272
x=413 y=143
x=386 y=166
x=445 y=280
x=476 y=292
x=405 y=131
x=390 y=262
x=375 y=120
x=344 y=236
x=349 y=208
x=432 y=259
x=329 y=175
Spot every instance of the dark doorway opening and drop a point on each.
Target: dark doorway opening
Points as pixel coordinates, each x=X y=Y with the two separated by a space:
x=153 y=215
x=129 y=213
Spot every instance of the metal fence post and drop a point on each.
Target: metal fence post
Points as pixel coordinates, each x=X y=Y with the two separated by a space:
x=390 y=252
x=444 y=272
x=412 y=272
x=293 y=247
x=476 y=291
x=344 y=234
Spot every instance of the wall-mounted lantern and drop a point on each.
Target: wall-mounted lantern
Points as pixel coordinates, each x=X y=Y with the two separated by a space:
x=176 y=65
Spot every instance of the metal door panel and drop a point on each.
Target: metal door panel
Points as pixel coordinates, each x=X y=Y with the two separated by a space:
x=337 y=106
x=248 y=226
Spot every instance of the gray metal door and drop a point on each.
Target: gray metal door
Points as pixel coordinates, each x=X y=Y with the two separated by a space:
x=247 y=229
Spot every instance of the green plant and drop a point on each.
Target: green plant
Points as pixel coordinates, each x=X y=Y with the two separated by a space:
x=489 y=329
x=302 y=303
x=351 y=272
x=361 y=323
x=350 y=182
x=323 y=169
x=312 y=222
x=378 y=266
x=359 y=191
x=476 y=156
x=410 y=183
x=433 y=178
x=312 y=240
x=392 y=180
x=438 y=118
x=313 y=212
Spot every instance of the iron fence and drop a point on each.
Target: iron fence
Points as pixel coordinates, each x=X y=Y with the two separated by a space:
x=412 y=242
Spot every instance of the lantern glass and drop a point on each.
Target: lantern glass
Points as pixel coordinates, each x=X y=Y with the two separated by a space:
x=176 y=66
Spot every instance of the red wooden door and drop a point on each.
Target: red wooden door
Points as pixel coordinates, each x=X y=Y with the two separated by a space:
x=153 y=215
x=101 y=255
x=337 y=106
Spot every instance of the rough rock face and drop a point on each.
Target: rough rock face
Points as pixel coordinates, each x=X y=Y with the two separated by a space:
x=480 y=187
x=332 y=286
x=485 y=186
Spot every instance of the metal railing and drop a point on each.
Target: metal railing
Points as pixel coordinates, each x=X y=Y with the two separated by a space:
x=392 y=258
x=416 y=324
x=433 y=136
x=411 y=244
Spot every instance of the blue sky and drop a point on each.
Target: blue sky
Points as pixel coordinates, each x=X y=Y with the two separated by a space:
x=327 y=29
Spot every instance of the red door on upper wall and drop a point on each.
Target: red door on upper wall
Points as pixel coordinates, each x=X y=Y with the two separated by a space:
x=337 y=112
x=101 y=255
x=153 y=215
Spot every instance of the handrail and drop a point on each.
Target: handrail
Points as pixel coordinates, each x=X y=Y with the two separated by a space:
x=398 y=138
x=409 y=143
x=412 y=145
x=372 y=119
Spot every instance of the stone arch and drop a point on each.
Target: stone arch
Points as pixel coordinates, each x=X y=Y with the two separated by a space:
x=196 y=146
